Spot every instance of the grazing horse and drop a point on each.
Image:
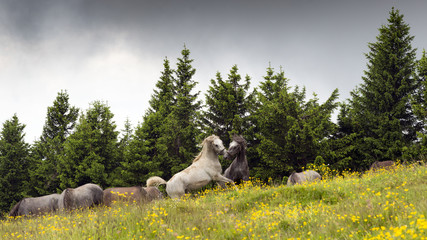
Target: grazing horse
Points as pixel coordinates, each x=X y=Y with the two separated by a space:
x=153 y=193
x=238 y=169
x=306 y=176
x=384 y=164
x=87 y=195
x=205 y=168
x=35 y=205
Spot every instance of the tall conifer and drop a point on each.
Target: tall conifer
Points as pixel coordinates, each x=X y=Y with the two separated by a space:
x=14 y=164
x=228 y=105
x=144 y=157
x=91 y=152
x=182 y=126
x=381 y=109
x=60 y=121
x=291 y=130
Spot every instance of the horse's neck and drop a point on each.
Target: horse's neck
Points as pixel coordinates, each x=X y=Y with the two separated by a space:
x=241 y=156
x=208 y=155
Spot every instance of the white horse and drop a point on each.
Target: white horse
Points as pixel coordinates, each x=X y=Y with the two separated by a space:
x=306 y=176
x=205 y=168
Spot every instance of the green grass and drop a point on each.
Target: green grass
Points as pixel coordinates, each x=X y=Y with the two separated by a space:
x=381 y=205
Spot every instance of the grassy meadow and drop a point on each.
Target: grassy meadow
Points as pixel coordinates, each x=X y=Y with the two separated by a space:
x=381 y=205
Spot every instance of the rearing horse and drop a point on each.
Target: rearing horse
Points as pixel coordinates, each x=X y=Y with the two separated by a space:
x=205 y=168
x=238 y=169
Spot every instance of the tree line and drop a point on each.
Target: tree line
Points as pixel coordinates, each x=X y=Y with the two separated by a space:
x=384 y=119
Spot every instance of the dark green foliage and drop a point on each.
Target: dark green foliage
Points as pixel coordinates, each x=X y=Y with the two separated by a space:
x=291 y=131
x=420 y=108
x=228 y=104
x=60 y=121
x=91 y=152
x=15 y=164
x=166 y=141
x=145 y=156
x=178 y=141
x=380 y=114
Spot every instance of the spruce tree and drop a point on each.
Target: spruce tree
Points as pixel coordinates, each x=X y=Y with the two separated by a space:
x=145 y=156
x=91 y=152
x=182 y=126
x=420 y=106
x=382 y=113
x=228 y=105
x=60 y=121
x=291 y=130
x=15 y=164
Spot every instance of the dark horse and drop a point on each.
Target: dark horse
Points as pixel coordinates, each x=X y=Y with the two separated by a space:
x=35 y=205
x=384 y=164
x=238 y=169
x=126 y=194
x=85 y=196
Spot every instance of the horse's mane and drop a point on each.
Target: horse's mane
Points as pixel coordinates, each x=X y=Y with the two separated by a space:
x=207 y=140
x=240 y=140
x=14 y=211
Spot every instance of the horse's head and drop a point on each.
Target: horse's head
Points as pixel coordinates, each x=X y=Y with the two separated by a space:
x=217 y=145
x=238 y=144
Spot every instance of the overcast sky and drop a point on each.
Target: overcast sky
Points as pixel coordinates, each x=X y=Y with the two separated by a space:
x=113 y=51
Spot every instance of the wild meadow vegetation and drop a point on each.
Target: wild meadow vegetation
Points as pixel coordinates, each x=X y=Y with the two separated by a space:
x=374 y=205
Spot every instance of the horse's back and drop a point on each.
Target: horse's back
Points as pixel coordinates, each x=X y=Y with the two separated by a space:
x=36 y=205
x=83 y=196
x=382 y=164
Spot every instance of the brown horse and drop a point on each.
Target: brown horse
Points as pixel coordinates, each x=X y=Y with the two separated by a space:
x=238 y=169
x=135 y=194
x=384 y=164
x=35 y=205
x=87 y=195
x=153 y=193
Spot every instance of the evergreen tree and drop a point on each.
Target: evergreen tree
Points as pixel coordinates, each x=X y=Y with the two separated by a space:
x=145 y=156
x=91 y=152
x=60 y=121
x=381 y=110
x=178 y=141
x=291 y=131
x=14 y=164
x=420 y=106
x=228 y=106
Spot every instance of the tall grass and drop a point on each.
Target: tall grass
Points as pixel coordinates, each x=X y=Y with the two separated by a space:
x=379 y=205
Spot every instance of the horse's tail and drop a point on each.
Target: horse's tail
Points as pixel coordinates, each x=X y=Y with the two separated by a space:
x=155 y=181
x=15 y=209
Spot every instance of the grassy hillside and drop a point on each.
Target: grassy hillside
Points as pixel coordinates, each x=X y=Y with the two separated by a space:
x=382 y=205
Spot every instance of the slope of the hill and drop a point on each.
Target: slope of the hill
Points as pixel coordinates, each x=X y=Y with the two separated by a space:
x=381 y=205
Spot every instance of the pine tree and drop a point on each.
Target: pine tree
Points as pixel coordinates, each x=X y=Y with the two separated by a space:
x=382 y=114
x=15 y=164
x=91 y=152
x=420 y=106
x=182 y=126
x=60 y=121
x=144 y=157
x=291 y=131
x=228 y=106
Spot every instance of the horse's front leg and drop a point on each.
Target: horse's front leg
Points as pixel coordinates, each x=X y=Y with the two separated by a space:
x=221 y=180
